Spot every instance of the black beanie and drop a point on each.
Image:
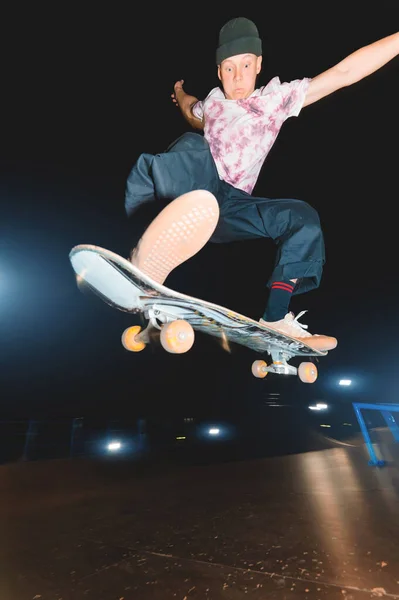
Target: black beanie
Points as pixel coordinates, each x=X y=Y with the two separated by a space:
x=238 y=36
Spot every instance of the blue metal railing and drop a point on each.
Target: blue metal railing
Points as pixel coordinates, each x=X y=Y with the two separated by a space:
x=386 y=411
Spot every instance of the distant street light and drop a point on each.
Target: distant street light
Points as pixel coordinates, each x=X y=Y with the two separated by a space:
x=214 y=431
x=114 y=446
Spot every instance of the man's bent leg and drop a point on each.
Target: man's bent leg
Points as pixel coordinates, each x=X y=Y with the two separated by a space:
x=295 y=228
x=292 y=224
x=186 y=165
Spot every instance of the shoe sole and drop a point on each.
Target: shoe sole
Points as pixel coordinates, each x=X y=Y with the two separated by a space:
x=176 y=234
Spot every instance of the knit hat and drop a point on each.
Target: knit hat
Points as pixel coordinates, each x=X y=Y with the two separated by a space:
x=238 y=36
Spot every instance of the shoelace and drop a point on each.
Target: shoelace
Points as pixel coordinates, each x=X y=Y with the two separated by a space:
x=296 y=323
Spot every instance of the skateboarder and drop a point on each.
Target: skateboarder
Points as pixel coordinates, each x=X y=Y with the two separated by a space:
x=240 y=124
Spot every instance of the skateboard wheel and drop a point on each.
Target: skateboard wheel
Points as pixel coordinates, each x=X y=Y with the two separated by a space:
x=129 y=340
x=259 y=369
x=177 y=337
x=307 y=372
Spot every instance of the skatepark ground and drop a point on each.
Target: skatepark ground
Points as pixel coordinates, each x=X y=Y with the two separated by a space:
x=318 y=523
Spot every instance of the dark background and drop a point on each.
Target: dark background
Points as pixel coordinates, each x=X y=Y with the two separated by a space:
x=83 y=93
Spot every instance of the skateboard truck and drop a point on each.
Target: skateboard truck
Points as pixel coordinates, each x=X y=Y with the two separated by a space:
x=307 y=371
x=177 y=335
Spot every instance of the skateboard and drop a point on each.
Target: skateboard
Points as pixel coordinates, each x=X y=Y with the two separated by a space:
x=176 y=316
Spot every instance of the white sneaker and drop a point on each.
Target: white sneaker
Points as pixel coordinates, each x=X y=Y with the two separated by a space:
x=291 y=326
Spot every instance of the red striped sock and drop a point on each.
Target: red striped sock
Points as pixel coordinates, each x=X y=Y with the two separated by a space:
x=279 y=300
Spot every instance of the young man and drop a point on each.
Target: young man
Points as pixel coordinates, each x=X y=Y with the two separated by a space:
x=240 y=125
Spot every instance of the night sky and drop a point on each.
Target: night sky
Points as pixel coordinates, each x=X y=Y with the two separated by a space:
x=83 y=94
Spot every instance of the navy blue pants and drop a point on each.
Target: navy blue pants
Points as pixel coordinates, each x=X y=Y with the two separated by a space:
x=188 y=165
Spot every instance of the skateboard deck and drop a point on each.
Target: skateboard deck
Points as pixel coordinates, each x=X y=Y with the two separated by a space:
x=176 y=316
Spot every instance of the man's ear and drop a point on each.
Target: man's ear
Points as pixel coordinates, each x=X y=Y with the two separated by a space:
x=258 y=64
x=219 y=73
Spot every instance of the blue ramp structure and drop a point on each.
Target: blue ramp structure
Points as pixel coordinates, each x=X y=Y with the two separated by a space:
x=386 y=411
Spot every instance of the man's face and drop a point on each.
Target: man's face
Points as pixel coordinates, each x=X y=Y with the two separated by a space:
x=238 y=75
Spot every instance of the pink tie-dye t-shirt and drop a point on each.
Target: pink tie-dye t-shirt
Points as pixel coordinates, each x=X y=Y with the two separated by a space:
x=241 y=133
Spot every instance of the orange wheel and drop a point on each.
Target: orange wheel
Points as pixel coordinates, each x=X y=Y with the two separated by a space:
x=129 y=340
x=177 y=337
x=307 y=372
x=258 y=369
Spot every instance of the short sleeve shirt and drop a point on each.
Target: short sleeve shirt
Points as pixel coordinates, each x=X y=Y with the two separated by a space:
x=241 y=133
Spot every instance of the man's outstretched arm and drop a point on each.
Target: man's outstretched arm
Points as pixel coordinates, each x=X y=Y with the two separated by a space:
x=186 y=103
x=353 y=68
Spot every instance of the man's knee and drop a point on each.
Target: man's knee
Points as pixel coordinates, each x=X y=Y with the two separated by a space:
x=293 y=217
x=312 y=231
x=305 y=214
x=185 y=166
x=187 y=142
x=306 y=230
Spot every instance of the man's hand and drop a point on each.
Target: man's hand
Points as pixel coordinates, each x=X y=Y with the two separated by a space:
x=178 y=87
x=185 y=103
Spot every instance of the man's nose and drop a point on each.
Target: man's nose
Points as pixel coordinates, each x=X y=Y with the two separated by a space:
x=238 y=75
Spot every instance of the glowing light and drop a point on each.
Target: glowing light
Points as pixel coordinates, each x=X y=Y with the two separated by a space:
x=345 y=382
x=113 y=446
x=319 y=406
x=214 y=431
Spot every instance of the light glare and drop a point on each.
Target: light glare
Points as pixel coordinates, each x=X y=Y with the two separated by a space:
x=112 y=446
x=214 y=431
x=319 y=406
